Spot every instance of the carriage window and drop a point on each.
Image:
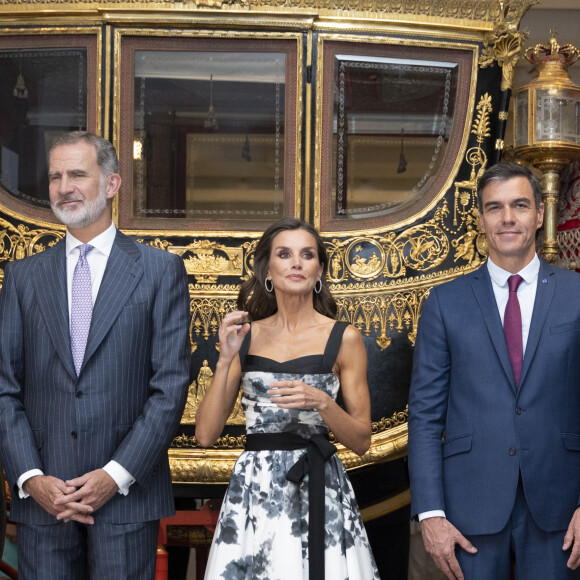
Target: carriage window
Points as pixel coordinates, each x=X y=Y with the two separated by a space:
x=392 y=120
x=210 y=135
x=43 y=92
x=392 y=129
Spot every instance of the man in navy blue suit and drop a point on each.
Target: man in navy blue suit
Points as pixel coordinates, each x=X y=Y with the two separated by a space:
x=94 y=370
x=494 y=407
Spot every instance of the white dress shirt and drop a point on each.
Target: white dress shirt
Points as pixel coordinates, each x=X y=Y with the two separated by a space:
x=97 y=260
x=526 y=297
x=526 y=292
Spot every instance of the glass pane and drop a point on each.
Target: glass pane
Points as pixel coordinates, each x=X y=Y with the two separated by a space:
x=392 y=119
x=42 y=94
x=558 y=115
x=521 y=119
x=209 y=135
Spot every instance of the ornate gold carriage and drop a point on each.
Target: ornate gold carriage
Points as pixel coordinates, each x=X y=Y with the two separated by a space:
x=370 y=118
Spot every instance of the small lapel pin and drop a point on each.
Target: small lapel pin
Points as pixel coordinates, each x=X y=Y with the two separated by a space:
x=544 y=280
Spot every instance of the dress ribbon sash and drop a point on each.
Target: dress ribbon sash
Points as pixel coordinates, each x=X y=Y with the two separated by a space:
x=319 y=450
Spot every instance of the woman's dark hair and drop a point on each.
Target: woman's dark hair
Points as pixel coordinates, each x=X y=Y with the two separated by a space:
x=253 y=296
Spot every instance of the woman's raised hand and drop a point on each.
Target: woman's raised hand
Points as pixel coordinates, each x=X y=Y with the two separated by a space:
x=231 y=333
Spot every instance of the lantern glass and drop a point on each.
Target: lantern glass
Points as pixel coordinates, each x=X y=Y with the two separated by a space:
x=521 y=118
x=558 y=115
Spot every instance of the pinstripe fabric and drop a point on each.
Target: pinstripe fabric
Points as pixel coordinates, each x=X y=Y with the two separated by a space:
x=129 y=551
x=38 y=545
x=129 y=396
x=102 y=551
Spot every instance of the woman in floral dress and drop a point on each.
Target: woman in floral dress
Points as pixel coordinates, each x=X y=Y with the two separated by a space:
x=290 y=511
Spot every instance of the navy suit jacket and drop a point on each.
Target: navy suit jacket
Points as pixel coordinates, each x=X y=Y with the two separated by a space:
x=471 y=432
x=127 y=401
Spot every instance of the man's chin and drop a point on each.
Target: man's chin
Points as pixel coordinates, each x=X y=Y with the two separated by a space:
x=70 y=218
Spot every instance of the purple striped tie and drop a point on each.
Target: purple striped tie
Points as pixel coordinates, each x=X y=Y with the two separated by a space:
x=512 y=327
x=81 y=307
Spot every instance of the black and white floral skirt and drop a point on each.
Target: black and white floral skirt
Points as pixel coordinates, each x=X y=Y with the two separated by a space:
x=262 y=533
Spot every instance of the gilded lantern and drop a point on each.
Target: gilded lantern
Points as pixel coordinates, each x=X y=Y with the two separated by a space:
x=547 y=125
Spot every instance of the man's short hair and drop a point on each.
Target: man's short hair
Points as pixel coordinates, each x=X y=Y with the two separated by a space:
x=106 y=154
x=504 y=171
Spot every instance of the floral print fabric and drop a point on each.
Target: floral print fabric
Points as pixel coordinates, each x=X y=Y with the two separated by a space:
x=262 y=532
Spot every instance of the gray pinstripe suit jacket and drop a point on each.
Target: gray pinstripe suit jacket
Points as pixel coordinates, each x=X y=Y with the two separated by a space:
x=128 y=399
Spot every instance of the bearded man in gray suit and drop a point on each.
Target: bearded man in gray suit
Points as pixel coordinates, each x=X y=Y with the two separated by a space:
x=94 y=370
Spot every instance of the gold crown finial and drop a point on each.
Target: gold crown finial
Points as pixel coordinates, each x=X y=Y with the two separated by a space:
x=541 y=53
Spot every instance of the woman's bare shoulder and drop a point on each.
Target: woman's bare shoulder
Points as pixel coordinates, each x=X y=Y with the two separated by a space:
x=352 y=336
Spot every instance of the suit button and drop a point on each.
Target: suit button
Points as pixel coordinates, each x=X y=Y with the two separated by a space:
x=79 y=394
x=519 y=410
x=74 y=434
x=512 y=451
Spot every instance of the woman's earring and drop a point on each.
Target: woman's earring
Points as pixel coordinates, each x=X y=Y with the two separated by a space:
x=269 y=288
x=318 y=286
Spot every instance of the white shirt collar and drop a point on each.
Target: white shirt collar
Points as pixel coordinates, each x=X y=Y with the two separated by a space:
x=500 y=276
x=103 y=243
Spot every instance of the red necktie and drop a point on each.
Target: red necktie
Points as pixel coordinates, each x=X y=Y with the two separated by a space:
x=512 y=327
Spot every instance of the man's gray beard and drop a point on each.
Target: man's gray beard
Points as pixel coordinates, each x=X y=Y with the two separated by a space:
x=84 y=216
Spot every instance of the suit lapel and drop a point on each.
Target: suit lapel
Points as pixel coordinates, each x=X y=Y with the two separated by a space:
x=486 y=299
x=544 y=294
x=122 y=274
x=50 y=288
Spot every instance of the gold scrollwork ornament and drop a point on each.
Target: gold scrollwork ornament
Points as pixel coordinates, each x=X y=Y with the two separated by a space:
x=17 y=242
x=207 y=315
x=363 y=266
x=504 y=44
x=470 y=245
x=398 y=312
x=206 y=260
